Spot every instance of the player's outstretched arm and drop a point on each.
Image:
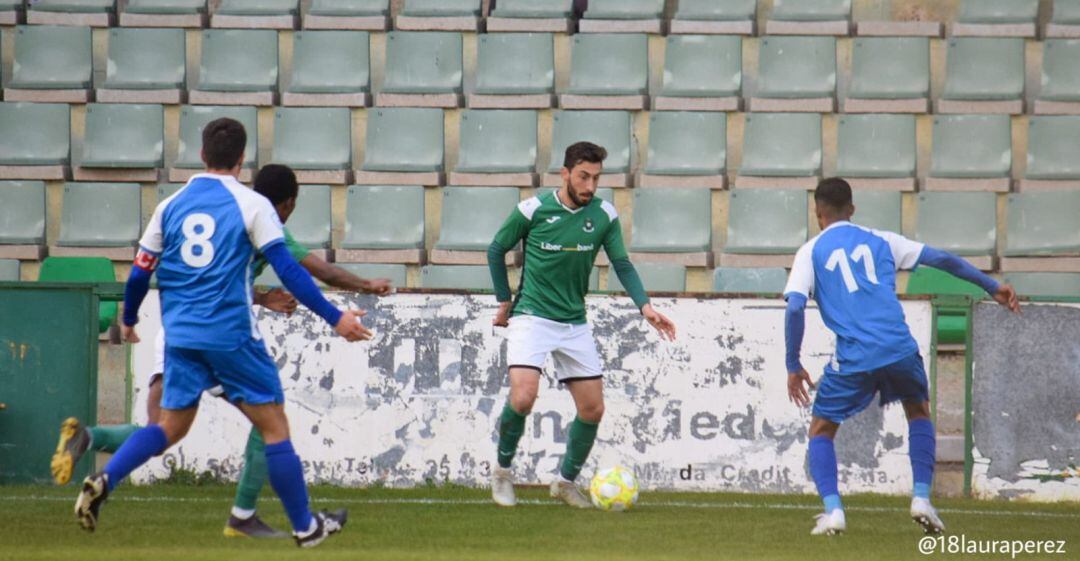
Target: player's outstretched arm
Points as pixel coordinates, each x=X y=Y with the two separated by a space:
x=1002 y=293
x=794 y=328
x=138 y=285
x=340 y=278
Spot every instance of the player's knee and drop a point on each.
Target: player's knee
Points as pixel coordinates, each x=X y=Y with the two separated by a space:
x=591 y=412
x=523 y=401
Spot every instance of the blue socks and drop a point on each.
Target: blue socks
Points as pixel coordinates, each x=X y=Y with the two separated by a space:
x=922 y=445
x=823 y=470
x=142 y=445
x=287 y=479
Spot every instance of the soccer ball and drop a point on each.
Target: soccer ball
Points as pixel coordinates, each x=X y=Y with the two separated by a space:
x=614 y=489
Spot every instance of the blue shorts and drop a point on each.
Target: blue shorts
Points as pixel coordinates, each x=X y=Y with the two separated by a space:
x=247 y=374
x=841 y=396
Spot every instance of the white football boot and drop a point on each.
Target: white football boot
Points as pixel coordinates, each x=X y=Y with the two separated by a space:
x=829 y=524
x=924 y=514
x=502 y=487
x=569 y=493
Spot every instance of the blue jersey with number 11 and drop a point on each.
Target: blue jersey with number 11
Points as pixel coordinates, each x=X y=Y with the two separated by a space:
x=206 y=236
x=850 y=271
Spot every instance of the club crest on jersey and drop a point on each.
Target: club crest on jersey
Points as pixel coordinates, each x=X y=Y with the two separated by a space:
x=588 y=227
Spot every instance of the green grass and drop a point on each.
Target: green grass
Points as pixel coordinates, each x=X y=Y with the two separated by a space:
x=165 y=522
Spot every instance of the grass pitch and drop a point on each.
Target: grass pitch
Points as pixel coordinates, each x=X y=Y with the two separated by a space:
x=167 y=522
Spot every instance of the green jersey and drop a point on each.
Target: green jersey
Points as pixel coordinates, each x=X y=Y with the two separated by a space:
x=560 y=247
x=297 y=251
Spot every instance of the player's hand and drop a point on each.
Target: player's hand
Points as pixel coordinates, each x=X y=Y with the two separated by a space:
x=659 y=321
x=350 y=327
x=279 y=300
x=796 y=390
x=1006 y=296
x=378 y=287
x=502 y=317
x=128 y=335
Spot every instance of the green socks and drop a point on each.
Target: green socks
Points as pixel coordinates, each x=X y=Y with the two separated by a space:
x=578 y=446
x=109 y=438
x=511 y=427
x=254 y=475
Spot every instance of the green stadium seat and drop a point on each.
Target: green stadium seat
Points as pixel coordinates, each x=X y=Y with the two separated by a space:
x=1053 y=144
x=99 y=220
x=22 y=220
x=330 y=68
x=672 y=226
x=166 y=190
x=765 y=227
x=686 y=149
x=809 y=17
x=879 y=210
x=11 y=11
x=51 y=64
x=164 y=13
x=9 y=270
x=781 y=150
x=269 y=279
x=961 y=223
x=657 y=277
x=762 y=280
x=193 y=119
x=951 y=323
x=971 y=152
x=237 y=67
x=310 y=223
x=470 y=218
x=1065 y=21
x=456 y=277
x=877 y=151
x=315 y=141
x=1042 y=225
x=608 y=71
x=514 y=71
x=122 y=142
x=145 y=66
x=423 y=69
x=984 y=75
x=396 y=273
x=83 y=270
x=996 y=18
x=496 y=147
x=383 y=224
x=41 y=149
x=90 y=13
x=364 y=15
x=734 y=17
x=623 y=16
x=531 y=15
x=1060 y=93
x=701 y=73
x=610 y=129
x=889 y=75
x=265 y=14
x=796 y=74
x=1065 y=285
x=439 y=15
x=404 y=147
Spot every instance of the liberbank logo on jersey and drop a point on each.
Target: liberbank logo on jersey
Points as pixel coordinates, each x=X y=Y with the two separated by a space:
x=557 y=247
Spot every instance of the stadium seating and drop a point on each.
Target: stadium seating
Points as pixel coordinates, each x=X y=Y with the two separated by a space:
x=765 y=227
x=10 y=270
x=1060 y=93
x=971 y=152
x=83 y=270
x=237 y=67
x=672 y=226
x=877 y=151
x=553 y=16
x=734 y=17
x=404 y=146
x=310 y=223
x=11 y=11
x=657 y=277
x=423 y=69
x=608 y=71
x=457 y=277
x=984 y=75
x=265 y=14
x=951 y=323
x=364 y=15
x=22 y=220
x=889 y=75
x=496 y=147
x=701 y=73
x=92 y=13
x=610 y=129
x=1042 y=225
x=763 y=280
x=164 y=13
x=51 y=64
x=996 y=18
x=514 y=71
x=315 y=141
x=166 y=190
x=809 y=17
x=879 y=210
x=145 y=66
x=962 y=223
x=99 y=220
x=686 y=149
x=397 y=274
x=268 y=279
x=470 y=218
x=781 y=150
x=193 y=119
x=623 y=16
x=330 y=69
x=383 y=224
x=1065 y=20
x=796 y=74
x=122 y=142
x=42 y=148
x=439 y=15
x=1051 y=153
x=1045 y=284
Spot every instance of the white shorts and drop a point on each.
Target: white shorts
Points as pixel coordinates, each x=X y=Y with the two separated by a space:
x=572 y=348
x=159 y=365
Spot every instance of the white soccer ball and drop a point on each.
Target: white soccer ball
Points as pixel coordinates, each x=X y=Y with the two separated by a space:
x=614 y=489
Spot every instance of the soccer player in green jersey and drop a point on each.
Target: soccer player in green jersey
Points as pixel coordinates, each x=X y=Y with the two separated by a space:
x=278 y=184
x=562 y=231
